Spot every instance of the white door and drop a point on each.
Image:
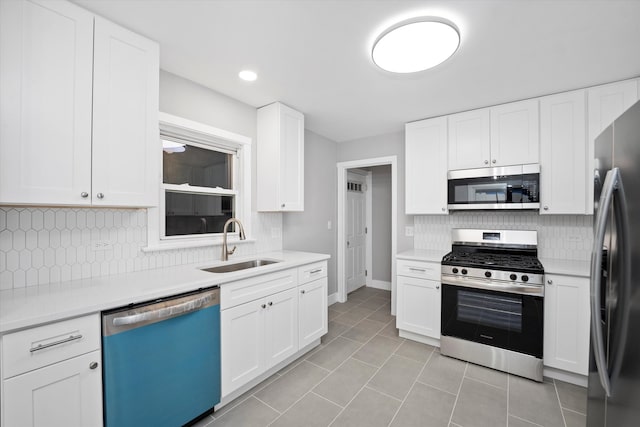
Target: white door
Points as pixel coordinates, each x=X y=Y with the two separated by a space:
x=356 y=236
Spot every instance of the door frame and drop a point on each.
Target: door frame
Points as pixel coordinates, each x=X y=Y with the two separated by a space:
x=342 y=214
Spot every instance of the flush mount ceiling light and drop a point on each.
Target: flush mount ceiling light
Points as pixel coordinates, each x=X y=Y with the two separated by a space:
x=172 y=147
x=248 y=75
x=415 y=45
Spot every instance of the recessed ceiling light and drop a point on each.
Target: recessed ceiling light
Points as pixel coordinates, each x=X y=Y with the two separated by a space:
x=247 y=75
x=415 y=45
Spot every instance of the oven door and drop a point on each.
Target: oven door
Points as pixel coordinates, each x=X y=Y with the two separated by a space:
x=500 y=319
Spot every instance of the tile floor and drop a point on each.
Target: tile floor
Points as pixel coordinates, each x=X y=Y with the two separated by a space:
x=363 y=374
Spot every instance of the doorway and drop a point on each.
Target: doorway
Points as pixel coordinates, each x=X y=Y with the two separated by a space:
x=343 y=223
x=357 y=212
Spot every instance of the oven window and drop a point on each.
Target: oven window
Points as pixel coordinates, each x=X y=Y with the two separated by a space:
x=496 y=311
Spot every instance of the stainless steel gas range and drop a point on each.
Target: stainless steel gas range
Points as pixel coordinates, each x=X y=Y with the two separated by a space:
x=493 y=300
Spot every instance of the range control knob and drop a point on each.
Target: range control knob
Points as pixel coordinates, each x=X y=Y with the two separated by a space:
x=454 y=270
x=525 y=278
x=464 y=271
x=513 y=277
x=487 y=274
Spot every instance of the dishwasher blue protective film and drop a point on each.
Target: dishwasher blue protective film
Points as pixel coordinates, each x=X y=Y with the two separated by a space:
x=163 y=374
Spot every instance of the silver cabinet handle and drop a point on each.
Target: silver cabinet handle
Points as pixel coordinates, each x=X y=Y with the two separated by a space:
x=421 y=270
x=317 y=270
x=549 y=282
x=51 y=344
x=303 y=291
x=100 y=196
x=84 y=194
x=93 y=365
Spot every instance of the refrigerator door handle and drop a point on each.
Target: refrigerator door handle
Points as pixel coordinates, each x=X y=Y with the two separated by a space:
x=602 y=217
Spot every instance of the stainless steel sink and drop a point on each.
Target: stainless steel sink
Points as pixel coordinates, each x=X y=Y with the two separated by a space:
x=228 y=268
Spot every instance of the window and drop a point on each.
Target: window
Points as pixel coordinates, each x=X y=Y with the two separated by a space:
x=205 y=181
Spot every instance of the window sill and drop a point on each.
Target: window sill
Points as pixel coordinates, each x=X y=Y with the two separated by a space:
x=167 y=246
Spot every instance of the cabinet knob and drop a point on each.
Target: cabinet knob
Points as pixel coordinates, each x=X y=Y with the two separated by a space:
x=93 y=365
x=282 y=205
x=264 y=306
x=270 y=303
x=550 y=282
x=302 y=291
x=100 y=196
x=444 y=209
x=493 y=161
x=546 y=208
x=486 y=162
x=84 y=194
x=437 y=286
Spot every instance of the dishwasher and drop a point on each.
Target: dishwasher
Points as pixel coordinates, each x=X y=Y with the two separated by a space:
x=161 y=360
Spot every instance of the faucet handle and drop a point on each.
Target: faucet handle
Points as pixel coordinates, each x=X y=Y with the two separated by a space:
x=231 y=251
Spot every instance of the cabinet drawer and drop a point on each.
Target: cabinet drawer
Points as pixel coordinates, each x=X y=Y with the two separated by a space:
x=241 y=291
x=310 y=272
x=419 y=269
x=43 y=345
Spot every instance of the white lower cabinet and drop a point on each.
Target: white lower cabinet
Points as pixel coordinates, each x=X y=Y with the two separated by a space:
x=67 y=393
x=418 y=309
x=52 y=375
x=256 y=336
x=312 y=311
x=566 y=323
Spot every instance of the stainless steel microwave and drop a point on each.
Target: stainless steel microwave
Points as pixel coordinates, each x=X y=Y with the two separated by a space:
x=507 y=187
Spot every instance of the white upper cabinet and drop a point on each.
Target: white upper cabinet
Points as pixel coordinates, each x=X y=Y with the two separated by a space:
x=45 y=108
x=469 y=139
x=514 y=133
x=426 y=166
x=126 y=145
x=280 y=159
x=497 y=136
x=58 y=106
x=563 y=154
x=605 y=104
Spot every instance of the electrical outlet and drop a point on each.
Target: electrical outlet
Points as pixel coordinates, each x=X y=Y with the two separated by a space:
x=101 y=245
x=408 y=231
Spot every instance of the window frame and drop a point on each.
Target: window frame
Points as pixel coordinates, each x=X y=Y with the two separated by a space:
x=204 y=136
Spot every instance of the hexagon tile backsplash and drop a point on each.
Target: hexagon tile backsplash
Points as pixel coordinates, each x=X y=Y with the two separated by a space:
x=49 y=245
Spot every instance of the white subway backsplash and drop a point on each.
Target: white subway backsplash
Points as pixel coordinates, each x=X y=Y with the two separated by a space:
x=567 y=237
x=50 y=245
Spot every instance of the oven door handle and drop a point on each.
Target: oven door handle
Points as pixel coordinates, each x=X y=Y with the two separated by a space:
x=612 y=182
x=494 y=286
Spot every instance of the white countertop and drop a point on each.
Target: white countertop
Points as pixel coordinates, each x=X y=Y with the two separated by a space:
x=33 y=305
x=421 y=255
x=566 y=267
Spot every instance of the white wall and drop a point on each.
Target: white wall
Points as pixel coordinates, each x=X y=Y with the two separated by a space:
x=308 y=231
x=49 y=245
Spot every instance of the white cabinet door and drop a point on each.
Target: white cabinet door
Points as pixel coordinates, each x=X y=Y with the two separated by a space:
x=280 y=162
x=419 y=306
x=281 y=327
x=126 y=141
x=563 y=154
x=45 y=107
x=242 y=344
x=312 y=311
x=469 y=139
x=68 y=393
x=566 y=323
x=514 y=133
x=426 y=167
x=605 y=104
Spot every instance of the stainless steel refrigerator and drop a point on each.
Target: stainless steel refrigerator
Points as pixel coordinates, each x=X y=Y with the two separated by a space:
x=614 y=366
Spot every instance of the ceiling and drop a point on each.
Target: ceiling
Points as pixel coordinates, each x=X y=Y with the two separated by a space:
x=314 y=55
